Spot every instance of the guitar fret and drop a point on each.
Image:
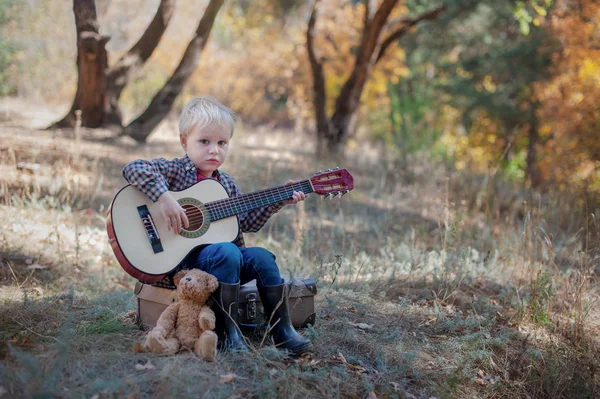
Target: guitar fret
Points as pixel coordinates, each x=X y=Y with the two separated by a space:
x=228 y=207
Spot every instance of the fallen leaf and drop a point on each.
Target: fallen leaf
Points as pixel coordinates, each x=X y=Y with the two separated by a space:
x=36 y=266
x=147 y=366
x=224 y=379
x=2 y=390
x=371 y=395
x=362 y=326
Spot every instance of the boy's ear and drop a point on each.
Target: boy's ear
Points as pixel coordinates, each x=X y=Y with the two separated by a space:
x=178 y=276
x=183 y=140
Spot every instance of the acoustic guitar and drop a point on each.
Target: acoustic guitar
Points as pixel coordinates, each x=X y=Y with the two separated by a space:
x=148 y=251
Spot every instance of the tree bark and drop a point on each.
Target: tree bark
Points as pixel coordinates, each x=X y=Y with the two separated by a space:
x=129 y=65
x=346 y=105
x=319 y=88
x=161 y=104
x=332 y=134
x=92 y=62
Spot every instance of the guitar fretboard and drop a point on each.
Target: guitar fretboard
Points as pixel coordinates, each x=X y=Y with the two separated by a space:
x=228 y=207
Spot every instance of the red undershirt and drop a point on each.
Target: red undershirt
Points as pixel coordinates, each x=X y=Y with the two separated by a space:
x=200 y=176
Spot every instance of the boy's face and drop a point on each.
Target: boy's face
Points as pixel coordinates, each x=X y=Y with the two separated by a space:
x=207 y=147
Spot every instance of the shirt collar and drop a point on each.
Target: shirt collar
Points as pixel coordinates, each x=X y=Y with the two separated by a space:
x=189 y=166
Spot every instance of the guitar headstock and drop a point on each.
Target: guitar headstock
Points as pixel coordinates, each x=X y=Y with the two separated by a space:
x=332 y=182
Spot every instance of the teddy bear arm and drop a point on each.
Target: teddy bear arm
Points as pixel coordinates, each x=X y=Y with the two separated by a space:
x=166 y=320
x=206 y=318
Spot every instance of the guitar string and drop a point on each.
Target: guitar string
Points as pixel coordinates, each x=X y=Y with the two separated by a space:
x=234 y=205
x=264 y=197
x=220 y=208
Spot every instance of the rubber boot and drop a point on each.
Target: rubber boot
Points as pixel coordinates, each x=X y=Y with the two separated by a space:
x=225 y=306
x=283 y=333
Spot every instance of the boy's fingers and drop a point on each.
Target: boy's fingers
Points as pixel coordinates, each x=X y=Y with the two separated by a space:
x=186 y=222
x=177 y=224
x=173 y=222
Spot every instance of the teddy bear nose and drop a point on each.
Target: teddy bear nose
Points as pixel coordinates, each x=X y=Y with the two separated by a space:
x=188 y=279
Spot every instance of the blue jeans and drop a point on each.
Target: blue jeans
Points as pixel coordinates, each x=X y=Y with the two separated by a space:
x=231 y=264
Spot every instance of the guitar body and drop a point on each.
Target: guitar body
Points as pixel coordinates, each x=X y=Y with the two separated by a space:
x=129 y=237
x=148 y=251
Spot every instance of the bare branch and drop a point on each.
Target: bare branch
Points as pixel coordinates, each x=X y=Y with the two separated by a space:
x=406 y=25
x=131 y=62
x=162 y=102
x=370 y=8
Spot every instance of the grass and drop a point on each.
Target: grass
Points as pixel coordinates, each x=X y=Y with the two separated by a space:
x=432 y=283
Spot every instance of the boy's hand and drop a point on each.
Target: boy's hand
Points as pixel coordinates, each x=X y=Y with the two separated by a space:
x=172 y=213
x=297 y=196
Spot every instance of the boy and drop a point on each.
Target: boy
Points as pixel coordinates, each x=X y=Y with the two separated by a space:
x=206 y=128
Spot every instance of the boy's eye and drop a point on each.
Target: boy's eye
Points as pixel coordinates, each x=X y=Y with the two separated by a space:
x=222 y=142
x=203 y=141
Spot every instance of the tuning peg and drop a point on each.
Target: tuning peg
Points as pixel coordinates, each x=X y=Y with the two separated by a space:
x=344 y=192
x=328 y=196
x=336 y=168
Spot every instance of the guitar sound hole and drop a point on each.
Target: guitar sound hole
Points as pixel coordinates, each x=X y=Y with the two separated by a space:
x=195 y=217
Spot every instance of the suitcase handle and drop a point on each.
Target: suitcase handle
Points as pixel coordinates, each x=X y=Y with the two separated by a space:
x=251 y=305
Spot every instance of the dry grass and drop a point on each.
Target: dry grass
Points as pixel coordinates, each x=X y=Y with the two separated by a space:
x=431 y=282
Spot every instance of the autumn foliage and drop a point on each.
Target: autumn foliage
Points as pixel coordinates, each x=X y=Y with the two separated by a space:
x=538 y=123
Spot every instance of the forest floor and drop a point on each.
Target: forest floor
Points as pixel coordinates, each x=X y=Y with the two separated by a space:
x=432 y=282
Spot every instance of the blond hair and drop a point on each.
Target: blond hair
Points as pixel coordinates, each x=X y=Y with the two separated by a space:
x=205 y=111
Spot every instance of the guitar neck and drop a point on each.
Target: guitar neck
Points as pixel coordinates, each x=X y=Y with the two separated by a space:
x=228 y=207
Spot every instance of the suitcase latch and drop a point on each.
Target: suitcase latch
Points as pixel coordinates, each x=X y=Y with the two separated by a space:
x=251 y=305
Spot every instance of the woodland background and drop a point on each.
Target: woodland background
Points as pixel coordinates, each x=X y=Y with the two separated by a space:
x=503 y=85
x=464 y=264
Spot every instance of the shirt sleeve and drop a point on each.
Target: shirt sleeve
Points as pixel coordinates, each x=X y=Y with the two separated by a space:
x=252 y=221
x=152 y=178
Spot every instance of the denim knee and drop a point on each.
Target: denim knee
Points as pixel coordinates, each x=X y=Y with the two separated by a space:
x=260 y=264
x=222 y=260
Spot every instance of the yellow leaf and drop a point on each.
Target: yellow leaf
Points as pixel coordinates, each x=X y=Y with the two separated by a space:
x=227 y=378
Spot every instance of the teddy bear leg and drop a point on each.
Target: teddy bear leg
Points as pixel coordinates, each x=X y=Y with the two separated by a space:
x=206 y=345
x=171 y=346
x=160 y=345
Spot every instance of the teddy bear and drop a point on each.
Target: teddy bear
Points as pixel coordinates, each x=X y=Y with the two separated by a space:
x=187 y=323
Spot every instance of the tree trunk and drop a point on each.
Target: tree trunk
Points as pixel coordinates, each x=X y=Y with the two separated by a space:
x=347 y=103
x=319 y=89
x=163 y=101
x=99 y=88
x=92 y=62
x=126 y=68
x=333 y=134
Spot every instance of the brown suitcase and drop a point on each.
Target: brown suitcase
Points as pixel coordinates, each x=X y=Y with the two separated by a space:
x=152 y=300
x=301 y=302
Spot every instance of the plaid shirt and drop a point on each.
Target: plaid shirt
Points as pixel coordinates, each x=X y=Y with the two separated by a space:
x=159 y=175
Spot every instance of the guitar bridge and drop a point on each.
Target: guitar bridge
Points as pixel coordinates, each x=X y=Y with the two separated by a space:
x=151 y=231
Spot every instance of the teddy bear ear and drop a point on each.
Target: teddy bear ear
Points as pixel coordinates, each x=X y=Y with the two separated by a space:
x=178 y=276
x=212 y=283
